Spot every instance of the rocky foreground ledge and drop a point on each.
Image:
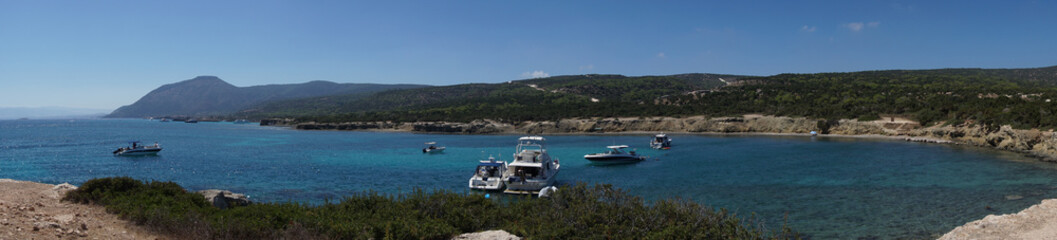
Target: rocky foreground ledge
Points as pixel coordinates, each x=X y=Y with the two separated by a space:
x=1036 y=222
x=30 y=210
x=1041 y=144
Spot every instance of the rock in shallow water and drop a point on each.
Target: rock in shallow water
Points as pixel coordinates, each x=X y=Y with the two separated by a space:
x=224 y=199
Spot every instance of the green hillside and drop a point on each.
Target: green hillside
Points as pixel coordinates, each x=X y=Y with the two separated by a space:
x=549 y=99
x=1023 y=98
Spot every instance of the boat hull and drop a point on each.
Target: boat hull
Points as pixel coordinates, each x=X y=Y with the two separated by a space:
x=529 y=186
x=614 y=160
x=490 y=184
x=138 y=152
x=515 y=185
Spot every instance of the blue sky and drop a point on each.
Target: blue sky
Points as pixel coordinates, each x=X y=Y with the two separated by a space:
x=104 y=54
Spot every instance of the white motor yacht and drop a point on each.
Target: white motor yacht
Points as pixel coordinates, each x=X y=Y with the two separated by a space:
x=616 y=154
x=432 y=148
x=661 y=141
x=134 y=149
x=532 y=168
x=489 y=175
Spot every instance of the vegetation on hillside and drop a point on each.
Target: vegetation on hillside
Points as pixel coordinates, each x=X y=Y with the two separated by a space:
x=929 y=97
x=576 y=212
x=1023 y=98
x=551 y=98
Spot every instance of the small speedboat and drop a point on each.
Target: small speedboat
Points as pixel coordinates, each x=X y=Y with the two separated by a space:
x=489 y=175
x=190 y=121
x=614 y=155
x=433 y=148
x=242 y=121
x=661 y=141
x=135 y=149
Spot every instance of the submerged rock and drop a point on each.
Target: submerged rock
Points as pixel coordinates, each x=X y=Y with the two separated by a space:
x=224 y=199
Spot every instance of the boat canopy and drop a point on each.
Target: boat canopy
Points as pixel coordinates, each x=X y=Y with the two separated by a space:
x=617 y=146
x=529 y=143
x=531 y=138
x=490 y=164
x=526 y=164
x=431 y=143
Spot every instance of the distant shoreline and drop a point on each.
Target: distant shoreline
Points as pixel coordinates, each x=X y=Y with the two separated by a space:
x=1034 y=143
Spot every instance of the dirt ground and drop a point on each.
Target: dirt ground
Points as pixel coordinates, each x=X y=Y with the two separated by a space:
x=30 y=210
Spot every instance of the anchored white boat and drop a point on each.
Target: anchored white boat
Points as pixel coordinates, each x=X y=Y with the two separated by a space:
x=532 y=168
x=432 y=148
x=134 y=149
x=489 y=175
x=616 y=154
x=661 y=141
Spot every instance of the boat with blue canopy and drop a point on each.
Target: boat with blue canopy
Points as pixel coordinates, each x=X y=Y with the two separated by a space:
x=489 y=175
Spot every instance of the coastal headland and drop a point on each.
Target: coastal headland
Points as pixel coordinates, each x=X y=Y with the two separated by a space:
x=1032 y=142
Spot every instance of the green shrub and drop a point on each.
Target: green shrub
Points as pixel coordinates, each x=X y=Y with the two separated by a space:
x=575 y=212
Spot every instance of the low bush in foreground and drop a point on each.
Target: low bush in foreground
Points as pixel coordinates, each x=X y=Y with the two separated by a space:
x=575 y=212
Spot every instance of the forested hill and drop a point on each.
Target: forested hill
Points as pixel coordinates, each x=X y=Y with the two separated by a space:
x=543 y=98
x=209 y=95
x=1023 y=98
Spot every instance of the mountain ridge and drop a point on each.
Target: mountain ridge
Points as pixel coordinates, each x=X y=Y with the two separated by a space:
x=210 y=95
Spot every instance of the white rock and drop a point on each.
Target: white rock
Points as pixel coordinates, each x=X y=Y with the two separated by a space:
x=487 y=235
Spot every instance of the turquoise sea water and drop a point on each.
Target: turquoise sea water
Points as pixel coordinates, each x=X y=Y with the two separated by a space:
x=825 y=187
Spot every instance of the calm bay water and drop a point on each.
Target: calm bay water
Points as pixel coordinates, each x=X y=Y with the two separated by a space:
x=825 y=187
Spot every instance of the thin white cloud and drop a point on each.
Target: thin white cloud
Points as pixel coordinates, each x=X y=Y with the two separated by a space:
x=807 y=28
x=859 y=26
x=855 y=26
x=535 y=74
x=660 y=55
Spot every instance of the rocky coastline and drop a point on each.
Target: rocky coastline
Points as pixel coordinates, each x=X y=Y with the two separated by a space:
x=1032 y=142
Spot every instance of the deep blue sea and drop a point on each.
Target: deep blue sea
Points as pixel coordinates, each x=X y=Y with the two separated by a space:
x=825 y=187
